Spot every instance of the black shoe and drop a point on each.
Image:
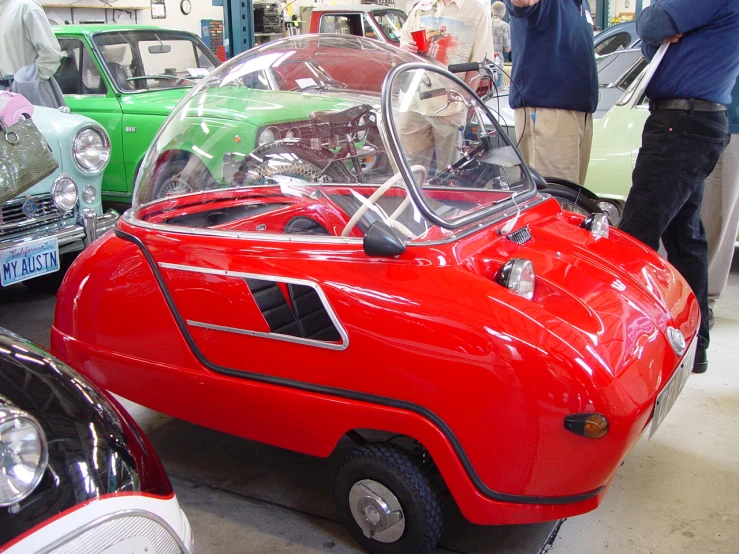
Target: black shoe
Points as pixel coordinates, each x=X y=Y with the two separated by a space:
x=700 y=365
x=710 y=318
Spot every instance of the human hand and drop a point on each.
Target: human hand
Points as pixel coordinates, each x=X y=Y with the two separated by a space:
x=524 y=3
x=673 y=39
x=411 y=47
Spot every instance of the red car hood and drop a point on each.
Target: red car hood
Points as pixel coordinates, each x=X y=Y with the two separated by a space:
x=608 y=300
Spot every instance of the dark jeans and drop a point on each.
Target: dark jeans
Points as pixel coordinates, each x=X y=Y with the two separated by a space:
x=679 y=150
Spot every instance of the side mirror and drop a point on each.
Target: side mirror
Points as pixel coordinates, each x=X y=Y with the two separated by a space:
x=539 y=181
x=382 y=240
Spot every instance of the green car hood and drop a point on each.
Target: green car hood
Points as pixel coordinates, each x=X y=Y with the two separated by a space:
x=269 y=107
x=157 y=102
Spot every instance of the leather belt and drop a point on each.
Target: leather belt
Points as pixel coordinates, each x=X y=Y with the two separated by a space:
x=692 y=104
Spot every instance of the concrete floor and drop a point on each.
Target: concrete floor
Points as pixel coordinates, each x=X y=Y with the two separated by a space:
x=678 y=493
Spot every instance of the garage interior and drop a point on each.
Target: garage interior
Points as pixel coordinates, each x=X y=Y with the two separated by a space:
x=677 y=492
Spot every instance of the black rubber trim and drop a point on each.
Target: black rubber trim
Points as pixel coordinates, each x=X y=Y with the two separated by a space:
x=352 y=395
x=574 y=186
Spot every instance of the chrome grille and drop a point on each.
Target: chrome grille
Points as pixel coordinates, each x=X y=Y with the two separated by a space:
x=13 y=219
x=107 y=533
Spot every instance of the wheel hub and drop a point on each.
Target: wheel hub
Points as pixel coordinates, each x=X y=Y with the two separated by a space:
x=176 y=185
x=377 y=511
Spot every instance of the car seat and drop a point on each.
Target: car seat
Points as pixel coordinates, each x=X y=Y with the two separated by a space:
x=114 y=55
x=68 y=75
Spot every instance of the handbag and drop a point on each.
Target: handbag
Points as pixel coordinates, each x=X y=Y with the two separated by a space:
x=25 y=158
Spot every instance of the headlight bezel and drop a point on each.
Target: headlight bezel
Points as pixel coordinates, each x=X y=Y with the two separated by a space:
x=77 y=150
x=7 y=415
x=519 y=277
x=275 y=135
x=61 y=180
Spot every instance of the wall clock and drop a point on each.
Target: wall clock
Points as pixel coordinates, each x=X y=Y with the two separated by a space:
x=185 y=7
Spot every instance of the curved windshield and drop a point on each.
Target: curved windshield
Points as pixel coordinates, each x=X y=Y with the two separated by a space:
x=470 y=167
x=287 y=139
x=153 y=60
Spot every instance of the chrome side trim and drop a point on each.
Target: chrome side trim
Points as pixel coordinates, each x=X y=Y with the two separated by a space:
x=276 y=336
x=117 y=515
x=266 y=237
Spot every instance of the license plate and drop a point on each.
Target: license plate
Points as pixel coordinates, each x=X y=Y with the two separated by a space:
x=666 y=399
x=29 y=260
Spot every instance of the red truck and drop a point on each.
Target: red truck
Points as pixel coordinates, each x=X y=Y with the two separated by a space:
x=377 y=22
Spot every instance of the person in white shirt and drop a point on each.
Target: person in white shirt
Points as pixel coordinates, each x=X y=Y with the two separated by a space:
x=29 y=52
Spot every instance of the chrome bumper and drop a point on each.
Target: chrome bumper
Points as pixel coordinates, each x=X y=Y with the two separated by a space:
x=89 y=226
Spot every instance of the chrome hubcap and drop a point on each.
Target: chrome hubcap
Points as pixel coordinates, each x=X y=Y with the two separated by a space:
x=377 y=511
x=176 y=185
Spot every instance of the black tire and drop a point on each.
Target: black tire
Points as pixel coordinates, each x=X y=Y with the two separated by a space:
x=414 y=487
x=572 y=200
x=50 y=283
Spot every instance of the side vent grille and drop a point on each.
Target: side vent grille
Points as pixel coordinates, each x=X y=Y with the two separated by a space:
x=304 y=315
x=521 y=236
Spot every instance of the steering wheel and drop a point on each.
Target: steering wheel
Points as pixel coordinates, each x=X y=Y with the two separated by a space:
x=372 y=200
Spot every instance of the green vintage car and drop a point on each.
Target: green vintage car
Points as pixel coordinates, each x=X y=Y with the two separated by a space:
x=616 y=142
x=129 y=79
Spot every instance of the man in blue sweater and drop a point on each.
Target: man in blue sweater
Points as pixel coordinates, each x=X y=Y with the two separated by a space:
x=556 y=84
x=684 y=135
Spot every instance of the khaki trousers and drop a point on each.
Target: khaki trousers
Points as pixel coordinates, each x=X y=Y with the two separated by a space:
x=555 y=142
x=421 y=135
x=720 y=215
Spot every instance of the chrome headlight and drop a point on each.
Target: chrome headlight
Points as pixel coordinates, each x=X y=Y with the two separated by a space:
x=89 y=194
x=364 y=121
x=612 y=211
x=267 y=135
x=517 y=275
x=91 y=149
x=293 y=133
x=23 y=455
x=64 y=193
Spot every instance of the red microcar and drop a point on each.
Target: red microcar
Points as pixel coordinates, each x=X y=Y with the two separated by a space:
x=316 y=260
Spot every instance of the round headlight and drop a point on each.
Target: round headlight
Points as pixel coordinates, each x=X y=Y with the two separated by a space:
x=598 y=225
x=293 y=133
x=517 y=275
x=612 y=211
x=89 y=194
x=23 y=455
x=64 y=193
x=91 y=149
x=362 y=133
x=268 y=134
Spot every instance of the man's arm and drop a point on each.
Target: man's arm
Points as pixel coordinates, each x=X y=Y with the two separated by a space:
x=685 y=16
x=406 y=41
x=43 y=39
x=655 y=25
x=507 y=39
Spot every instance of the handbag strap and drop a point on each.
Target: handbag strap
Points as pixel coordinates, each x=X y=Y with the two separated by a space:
x=11 y=137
